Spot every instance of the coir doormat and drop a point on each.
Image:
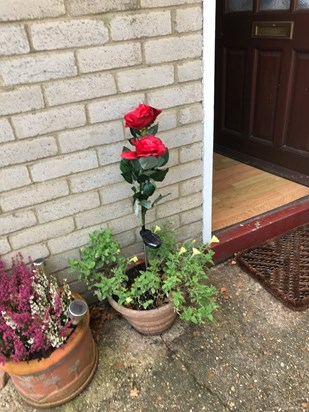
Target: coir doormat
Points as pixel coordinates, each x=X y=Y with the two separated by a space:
x=281 y=265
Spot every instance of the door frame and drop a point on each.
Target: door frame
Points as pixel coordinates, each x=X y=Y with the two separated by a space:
x=209 y=27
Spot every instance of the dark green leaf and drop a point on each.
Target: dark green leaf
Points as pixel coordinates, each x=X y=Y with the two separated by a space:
x=159 y=175
x=148 y=189
x=133 y=132
x=153 y=129
x=149 y=162
x=146 y=204
x=142 y=178
x=160 y=197
x=127 y=178
x=163 y=159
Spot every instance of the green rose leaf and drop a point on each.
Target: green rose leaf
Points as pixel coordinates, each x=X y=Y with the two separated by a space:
x=160 y=197
x=163 y=159
x=148 y=189
x=127 y=177
x=149 y=162
x=142 y=178
x=159 y=175
x=153 y=129
x=146 y=204
x=136 y=208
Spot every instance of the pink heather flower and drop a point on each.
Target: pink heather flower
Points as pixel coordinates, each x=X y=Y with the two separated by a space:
x=30 y=321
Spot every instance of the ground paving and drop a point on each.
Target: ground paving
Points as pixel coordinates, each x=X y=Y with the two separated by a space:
x=255 y=357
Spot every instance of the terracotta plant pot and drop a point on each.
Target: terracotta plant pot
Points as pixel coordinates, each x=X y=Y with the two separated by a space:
x=63 y=375
x=147 y=322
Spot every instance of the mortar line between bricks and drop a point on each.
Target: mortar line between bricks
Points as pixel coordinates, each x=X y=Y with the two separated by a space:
x=195 y=380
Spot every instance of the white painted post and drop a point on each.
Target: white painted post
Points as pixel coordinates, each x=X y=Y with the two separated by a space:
x=209 y=21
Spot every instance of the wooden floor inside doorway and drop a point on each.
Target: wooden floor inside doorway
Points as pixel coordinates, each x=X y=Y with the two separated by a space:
x=241 y=192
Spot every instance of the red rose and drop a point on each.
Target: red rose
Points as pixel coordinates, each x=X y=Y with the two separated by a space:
x=141 y=117
x=146 y=146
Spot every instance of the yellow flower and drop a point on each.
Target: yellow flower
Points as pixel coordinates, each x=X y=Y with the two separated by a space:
x=133 y=259
x=157 y=229
x=128 y=300
x=182 y=250
x=214 y=239
x=195 y=251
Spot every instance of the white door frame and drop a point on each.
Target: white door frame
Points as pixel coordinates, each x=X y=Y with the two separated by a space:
x=209 y=25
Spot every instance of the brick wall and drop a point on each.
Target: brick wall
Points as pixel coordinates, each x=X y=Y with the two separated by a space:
x=69 y=71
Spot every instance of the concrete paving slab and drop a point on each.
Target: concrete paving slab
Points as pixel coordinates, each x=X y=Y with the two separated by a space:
x=255 y=357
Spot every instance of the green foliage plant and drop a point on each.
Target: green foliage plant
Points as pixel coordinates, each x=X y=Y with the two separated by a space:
x=174 y=273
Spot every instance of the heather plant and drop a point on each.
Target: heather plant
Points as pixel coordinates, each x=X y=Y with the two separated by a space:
x=34 y=313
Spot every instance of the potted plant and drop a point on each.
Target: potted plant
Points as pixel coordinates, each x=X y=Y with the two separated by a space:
x=174 y=281
x=148 y=292
x=49 y=360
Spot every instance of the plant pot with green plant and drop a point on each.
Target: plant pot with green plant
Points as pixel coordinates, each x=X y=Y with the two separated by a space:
x=49 y=360
x=167 y=276
x=174 y=281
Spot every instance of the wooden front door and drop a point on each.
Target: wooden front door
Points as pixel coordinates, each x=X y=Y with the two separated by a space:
x=262 y=81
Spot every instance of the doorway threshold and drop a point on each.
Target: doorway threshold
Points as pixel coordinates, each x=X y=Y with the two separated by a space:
x=253 y=231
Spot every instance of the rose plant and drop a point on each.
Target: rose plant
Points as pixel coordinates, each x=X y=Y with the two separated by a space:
x=144 y=166
x=34 y=318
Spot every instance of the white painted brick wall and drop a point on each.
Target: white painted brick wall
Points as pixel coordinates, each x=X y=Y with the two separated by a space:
x=35 y=251
x=95 y=179
x=69 y=71
x=135 y=26
x=67 y=206
x=33 y=195
x=30 y=9
x=109 y=57
x=23 y=99
x=42 y=233
x=165 y=3
x=50 y=120
x=191 y=216
x=16 y=221
x=191 y=186
x=103 y=214
x=6 y=132
x=171 y=49
x=171 y=208
x=4 y=247
x=13 y=177
x=191 y=114
x=191 y=152
x=90 y=136
x=145 y=78
x=115 y=192
x=81 y=88
x=188 y=19
x=113 y=108
x=68 y=34
x=71 y=241
x=28 y=150
x=191 y=70
x=184 y=136
x=13 y=40
x=176 y=95
x=109 y=154
x=63 y=166
x=82 y=7
x=37 y=68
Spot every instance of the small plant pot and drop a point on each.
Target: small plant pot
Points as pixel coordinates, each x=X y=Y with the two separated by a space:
x=148 y=322
x=52 y=381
